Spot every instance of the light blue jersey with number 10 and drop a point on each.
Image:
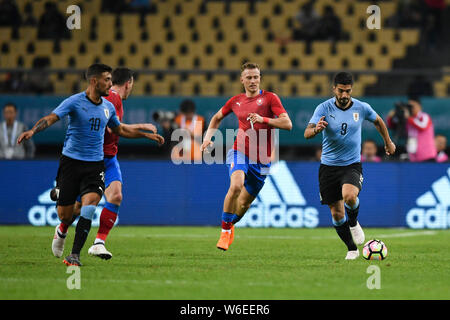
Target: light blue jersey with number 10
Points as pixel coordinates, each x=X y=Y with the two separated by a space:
x=87 y=124
x=341 y=145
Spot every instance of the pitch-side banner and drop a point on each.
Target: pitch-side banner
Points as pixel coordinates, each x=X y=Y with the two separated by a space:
x=141 y=109
x=162 y=193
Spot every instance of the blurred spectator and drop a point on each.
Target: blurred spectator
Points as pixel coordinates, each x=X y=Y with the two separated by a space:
x=52 y=24
x=9 y=14
x=369 y=151
x=140 y=6
x=420 y=131
x=420 y=86
x=116 y=6
x=29 y=19
x=441 y=146
x=10 y=130
x=329 y=25
x=14 y=83
x=409 y=14
x=188 y=120
x=309 y=22
x=38 y=79
x=318 y=153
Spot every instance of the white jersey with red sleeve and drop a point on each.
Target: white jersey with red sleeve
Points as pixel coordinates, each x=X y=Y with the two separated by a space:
x=255 y=143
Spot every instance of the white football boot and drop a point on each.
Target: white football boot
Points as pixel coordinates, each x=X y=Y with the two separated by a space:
x=100 y=251
x=352 y=255
x=58 y=244
x=357 y=234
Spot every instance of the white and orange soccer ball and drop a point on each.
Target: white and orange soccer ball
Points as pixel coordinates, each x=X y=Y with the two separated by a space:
x=375 y=250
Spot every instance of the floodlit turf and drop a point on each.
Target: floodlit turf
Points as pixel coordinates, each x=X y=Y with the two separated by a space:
x=183 y=263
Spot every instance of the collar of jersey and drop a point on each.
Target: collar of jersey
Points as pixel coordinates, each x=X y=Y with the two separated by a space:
x=259 y=94
x=351 y=105
x=97 y=104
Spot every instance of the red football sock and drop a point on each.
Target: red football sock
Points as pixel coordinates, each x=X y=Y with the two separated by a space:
x=226 y=225
x=63 y=227
x=107 y=220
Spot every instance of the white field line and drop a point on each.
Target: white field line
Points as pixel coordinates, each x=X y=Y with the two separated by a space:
x=281 y=237
x=162 y=282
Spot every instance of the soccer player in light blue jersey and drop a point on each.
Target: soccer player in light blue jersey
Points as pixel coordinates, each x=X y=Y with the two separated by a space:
x=81 y=169
x=340 y=119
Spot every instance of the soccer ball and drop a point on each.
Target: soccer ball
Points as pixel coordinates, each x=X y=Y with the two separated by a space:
x=375 y=250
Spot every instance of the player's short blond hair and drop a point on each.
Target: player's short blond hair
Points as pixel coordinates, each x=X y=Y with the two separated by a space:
x=250 y=65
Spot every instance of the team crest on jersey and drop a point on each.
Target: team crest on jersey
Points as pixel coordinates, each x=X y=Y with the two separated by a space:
x=259 y=101
x=106 y=113
x=356 y=116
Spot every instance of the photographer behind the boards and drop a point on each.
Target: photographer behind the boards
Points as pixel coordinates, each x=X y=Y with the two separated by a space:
x=187 y=120
x=408 y=120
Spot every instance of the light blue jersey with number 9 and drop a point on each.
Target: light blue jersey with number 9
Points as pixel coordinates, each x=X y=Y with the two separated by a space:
x=87 y=124
x=341 y=143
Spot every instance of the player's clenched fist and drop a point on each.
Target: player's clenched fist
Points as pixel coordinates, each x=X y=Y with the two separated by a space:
x=255 y=118
x=321 y=125
x=390 y=148
x=205 y=145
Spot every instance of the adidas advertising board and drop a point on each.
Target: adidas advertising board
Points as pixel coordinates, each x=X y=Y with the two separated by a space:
x=280 y=203
x=162 y=193
x=44 y=213
x=432 y=207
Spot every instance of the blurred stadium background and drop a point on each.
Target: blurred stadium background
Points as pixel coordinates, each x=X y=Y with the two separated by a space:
x=193 y=49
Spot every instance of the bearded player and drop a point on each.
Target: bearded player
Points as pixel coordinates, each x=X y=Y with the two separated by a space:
x=340 y=120
x=122 y=80
x=258 y=112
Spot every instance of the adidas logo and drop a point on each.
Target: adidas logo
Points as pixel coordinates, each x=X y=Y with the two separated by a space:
x=280 y=203
x=44 y=213
x=432 y=207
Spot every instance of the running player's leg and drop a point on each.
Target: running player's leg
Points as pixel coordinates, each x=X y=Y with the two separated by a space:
x=92 y=186
x=113 y=195
x=352 y=185
x=230 y=203
x=89 y=203
x=108 y=217
x=68 y=183
x=341 y=225
x=63 y=227
x=243 y=203
x=330 y=178
x=59 y=237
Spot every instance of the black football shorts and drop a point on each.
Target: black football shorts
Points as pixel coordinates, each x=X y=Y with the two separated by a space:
x=76 y=177
x=331 y=179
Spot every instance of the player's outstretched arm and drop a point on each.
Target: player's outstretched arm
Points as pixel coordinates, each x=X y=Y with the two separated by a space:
x=144 y=126
x=389 y=146
x=41 y=125
x=282 y=122
x=313 y=129
x=132 y=132
x=213 y=126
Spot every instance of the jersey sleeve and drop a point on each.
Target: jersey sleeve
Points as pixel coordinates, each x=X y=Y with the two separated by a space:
x=370 y=114
x=318 y=113
x=227 y=108
x=64 y=108
x=276 y=106
x=113 y=120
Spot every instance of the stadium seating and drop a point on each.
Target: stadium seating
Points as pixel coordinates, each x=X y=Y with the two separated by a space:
x=191 y=35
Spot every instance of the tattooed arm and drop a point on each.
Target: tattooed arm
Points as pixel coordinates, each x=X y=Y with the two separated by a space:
x=41 y=125
x=312 y=129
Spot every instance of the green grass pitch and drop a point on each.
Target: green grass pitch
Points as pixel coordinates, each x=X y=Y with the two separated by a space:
x=173 y=263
